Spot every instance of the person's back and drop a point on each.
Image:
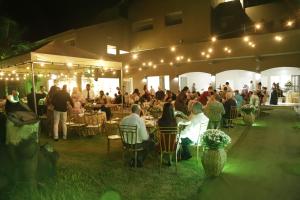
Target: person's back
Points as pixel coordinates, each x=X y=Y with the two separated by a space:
x=214 y=111
x=239 y=100
x=135 y=120
x=227 y=106
x=60 y=100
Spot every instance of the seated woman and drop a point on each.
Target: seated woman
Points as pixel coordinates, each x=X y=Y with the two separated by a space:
x=192 y=132
x=228 y=103
x=168 y=120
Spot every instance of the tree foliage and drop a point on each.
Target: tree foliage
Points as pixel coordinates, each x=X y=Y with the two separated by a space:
x=11 y=42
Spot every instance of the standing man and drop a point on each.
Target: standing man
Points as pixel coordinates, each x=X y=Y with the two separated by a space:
x=88 y=93
x=194 y=88
x=160 y=94
x=60 y=102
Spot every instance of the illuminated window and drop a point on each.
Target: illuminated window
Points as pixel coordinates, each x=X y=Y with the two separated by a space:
x=167 y=82
x=143 y=25
x=111 y=49
x=173 y=18
x=153 y=81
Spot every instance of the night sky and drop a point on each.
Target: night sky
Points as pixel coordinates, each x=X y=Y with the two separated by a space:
x=44 y=17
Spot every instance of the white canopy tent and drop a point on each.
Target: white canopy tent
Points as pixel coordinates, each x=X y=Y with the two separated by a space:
x=59 y=58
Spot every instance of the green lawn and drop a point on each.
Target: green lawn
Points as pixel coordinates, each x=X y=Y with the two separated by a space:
x=86 y=171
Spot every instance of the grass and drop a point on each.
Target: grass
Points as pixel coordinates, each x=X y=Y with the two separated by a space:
x=86 y=171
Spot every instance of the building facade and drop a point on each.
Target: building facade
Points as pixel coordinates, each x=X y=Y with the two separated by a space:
x=166 y=39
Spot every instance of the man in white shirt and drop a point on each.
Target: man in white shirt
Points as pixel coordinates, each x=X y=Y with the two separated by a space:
x=142 y=134
x=194 y=130
x=88 y=93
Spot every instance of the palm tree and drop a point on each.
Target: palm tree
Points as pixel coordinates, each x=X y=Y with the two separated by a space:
x=11 y=42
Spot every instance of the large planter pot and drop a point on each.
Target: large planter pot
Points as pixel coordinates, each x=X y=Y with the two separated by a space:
x=213 y=161
x=249 y=119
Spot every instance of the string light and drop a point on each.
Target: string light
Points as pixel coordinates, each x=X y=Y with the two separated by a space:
x=214 y=39
x=162 y=61
x=144 y=64
x=203 y=53
x=150 y=63
x=126 y=66
x=114 y=72
x=189 y=60
x=42 y=64
x=171 y=63
x=246 y=38
x=207 y=56
x=134 y=56
x=140 y=69
x=154 y=66
x=173 y=49
x=210 y=50
x=278 y=38
x=258 y=26
x=290 y=23
x=69 y=64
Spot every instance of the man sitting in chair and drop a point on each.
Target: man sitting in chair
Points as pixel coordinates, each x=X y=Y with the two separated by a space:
x=193 y=132
x=143 y=139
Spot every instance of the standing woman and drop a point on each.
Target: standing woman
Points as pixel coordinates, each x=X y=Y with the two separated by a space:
x=53 y=90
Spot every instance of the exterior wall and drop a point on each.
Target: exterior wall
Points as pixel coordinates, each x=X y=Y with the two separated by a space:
x=194 y=34
x=268 y=12
x=195 y=26
x=267 y=54
x=95 y=38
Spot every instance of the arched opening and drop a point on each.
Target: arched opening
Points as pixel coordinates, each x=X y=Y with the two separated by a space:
x=281 y=75
x=236 y=78
x=202 y=80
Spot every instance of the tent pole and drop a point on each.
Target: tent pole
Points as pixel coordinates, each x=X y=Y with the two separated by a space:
x=33 y=87
x=122 y=91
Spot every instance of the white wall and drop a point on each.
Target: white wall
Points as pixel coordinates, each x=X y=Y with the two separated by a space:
x=279 y=75
x=201 y=79
x=236 y=78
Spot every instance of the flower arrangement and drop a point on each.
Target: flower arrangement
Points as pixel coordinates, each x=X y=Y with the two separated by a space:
x=215 y=139
x=248 y=109
x=155 y=111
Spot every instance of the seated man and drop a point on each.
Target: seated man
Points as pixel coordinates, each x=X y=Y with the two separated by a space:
x=134 y=119
x=193 y=131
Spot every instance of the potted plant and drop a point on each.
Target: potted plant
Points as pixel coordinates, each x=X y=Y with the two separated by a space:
x=214 y=156
x=248 y=113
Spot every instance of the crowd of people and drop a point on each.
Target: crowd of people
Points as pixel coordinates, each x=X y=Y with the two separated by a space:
x=210 y=107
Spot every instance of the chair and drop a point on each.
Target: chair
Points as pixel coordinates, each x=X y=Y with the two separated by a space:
x=233 y=114
x=111 y=125
x=203 y=127
x=168 y=142
x=92 y=123
x=75 y=123
x=129 y=137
